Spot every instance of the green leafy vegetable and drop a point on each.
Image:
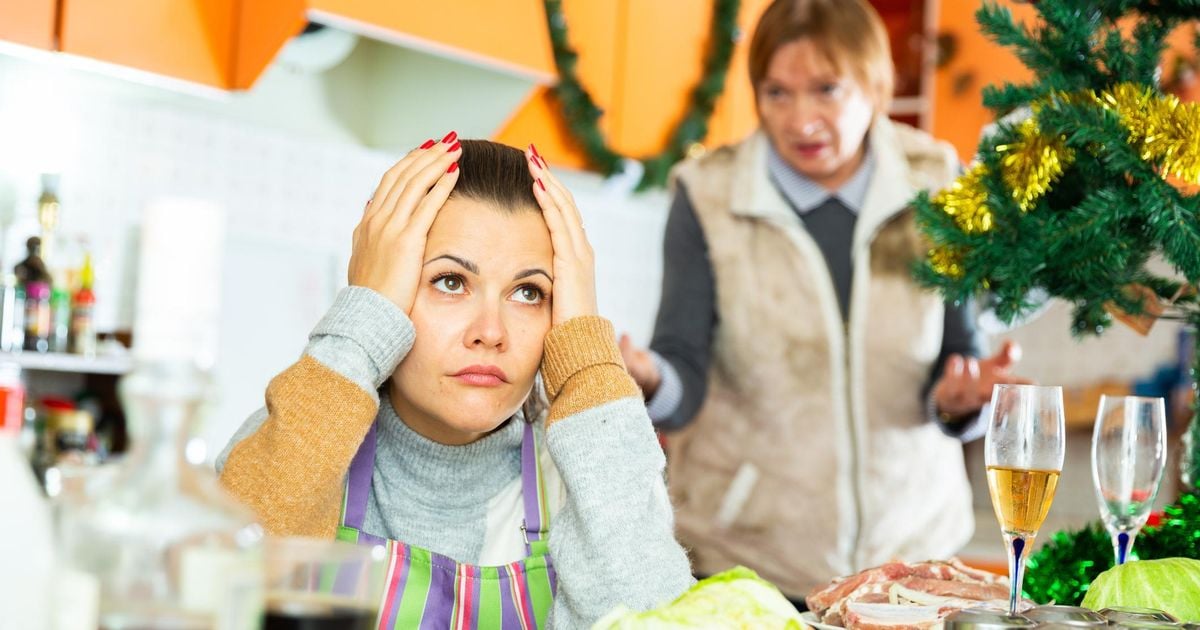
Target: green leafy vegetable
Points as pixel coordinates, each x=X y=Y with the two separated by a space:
x=1171 y=585
x=737 y=598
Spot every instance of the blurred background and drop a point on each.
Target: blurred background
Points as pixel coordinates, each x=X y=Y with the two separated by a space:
x=285 y=112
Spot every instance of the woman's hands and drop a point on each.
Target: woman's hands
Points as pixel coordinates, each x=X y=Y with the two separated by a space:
x=641 y=366
x=389 y=242
x=574 y=271
x=966 y=382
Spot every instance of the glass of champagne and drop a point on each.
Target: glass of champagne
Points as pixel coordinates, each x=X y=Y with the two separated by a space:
x=1024 y=456
x=1129 y=453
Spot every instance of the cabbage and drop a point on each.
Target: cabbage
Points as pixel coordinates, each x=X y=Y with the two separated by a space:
x=734 y=599
x=1171 y=585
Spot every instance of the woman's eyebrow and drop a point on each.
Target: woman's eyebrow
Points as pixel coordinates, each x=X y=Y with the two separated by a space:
x=532 y=272
x=466 y=264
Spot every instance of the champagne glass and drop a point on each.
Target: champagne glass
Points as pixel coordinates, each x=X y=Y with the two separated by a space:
x=1129 y=453
x=1024 y=456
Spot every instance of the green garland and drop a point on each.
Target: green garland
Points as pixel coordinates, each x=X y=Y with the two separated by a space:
x=583 y=116
x=1062 y=570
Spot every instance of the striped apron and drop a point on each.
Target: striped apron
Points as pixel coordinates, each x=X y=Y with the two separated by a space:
x=427 y=590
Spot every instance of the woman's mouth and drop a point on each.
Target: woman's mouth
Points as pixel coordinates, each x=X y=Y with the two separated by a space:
x=809 y=150
x=481 y=376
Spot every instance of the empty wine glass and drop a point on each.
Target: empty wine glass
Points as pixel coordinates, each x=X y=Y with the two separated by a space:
x=1024 y=456
x=1129 y=452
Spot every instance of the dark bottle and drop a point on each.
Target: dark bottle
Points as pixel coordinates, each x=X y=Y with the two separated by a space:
x=33 y=268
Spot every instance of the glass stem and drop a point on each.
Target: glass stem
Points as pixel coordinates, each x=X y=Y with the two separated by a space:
x=1123 y=545
x=1017 y=548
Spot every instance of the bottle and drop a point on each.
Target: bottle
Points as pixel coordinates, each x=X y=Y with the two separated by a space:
x=60 y=319
x=37 y=316
x=83 y=308
x=47 y=213
x=26 y=531
x=12 y=314
x=73 y=435
x=33 y=267
x=167 y=547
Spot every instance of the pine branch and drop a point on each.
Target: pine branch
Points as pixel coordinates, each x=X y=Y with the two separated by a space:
x=1150 y=38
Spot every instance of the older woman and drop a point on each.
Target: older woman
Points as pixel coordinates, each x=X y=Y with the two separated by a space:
x=819 y=394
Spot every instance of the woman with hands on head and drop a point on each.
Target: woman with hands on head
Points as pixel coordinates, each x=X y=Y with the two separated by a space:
x=410 y=416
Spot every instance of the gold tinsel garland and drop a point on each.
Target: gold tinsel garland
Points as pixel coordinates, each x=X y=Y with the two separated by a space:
x=1164 y=131
x=965 y=199
x=1033 y=163
x=946 y=261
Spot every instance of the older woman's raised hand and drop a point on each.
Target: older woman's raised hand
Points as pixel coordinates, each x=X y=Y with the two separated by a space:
x=574 y=292
x=389 y=241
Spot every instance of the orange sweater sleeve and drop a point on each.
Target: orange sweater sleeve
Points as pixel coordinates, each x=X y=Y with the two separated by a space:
x=582 y=367
x=291 y=471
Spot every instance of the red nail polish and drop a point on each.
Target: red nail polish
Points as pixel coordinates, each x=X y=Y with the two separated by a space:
x=450 y=137
x=453 y=167
x=542 y=160
x=534 y=149
x=539 y=181
x=428 y=143
x=454 y=147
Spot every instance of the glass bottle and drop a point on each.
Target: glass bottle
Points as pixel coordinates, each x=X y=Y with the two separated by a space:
x=47 y=214
x=33 y=267
x=12 y=314
x=37 y=316
x=163 y=544
x=83 y=308
x=60 y=319
x=166 y=546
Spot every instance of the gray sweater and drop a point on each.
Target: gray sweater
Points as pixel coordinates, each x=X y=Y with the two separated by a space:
x=611 y=538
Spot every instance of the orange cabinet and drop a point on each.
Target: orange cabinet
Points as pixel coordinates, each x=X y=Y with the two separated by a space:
x=28 y=22
x=190 y=39
x=510 y=36
x=221 y=43
x=641 y=75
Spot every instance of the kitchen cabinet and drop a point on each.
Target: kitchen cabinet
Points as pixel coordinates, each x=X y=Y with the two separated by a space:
x=219 y=43
x=28 y=22
x=641 y=75
x=509 y=36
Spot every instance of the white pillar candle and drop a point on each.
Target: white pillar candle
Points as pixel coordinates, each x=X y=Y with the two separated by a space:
x=179 y=281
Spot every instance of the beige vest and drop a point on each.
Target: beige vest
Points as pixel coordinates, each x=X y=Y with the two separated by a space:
x=812 y=456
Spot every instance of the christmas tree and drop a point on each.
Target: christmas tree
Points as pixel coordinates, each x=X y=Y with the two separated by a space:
x=1089 y=176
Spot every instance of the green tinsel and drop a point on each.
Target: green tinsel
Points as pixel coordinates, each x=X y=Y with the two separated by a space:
x=1063 y=568
x=583 y=116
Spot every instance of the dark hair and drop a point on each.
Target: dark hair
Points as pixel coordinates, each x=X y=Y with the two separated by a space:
x=495 y=173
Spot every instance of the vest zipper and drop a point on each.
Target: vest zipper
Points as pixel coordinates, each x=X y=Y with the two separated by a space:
x=804 y=241
x=856 y=465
